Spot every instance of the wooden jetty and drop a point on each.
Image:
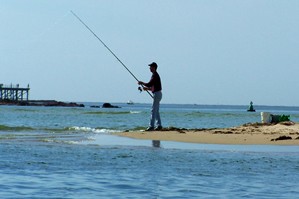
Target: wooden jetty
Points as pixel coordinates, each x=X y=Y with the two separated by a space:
x=14 y=93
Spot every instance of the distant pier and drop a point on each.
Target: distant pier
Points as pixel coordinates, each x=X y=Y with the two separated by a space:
x=14 y=93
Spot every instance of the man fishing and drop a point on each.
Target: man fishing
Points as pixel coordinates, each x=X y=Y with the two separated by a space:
x=154 y=85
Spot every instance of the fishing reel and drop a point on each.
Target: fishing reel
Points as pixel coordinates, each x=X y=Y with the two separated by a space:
x=140 y=89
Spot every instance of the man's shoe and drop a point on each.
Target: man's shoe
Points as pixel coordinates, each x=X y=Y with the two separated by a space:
x=150 y=129
x=158 y=128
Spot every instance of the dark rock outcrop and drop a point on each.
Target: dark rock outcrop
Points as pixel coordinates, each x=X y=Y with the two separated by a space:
x=41 y=103
x=108 y=105
x=282 y=138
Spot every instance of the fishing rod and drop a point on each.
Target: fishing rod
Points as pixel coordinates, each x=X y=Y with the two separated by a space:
x=139 y=88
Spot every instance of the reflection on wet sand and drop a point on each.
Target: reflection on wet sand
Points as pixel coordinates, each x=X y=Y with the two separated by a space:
x=156 y=143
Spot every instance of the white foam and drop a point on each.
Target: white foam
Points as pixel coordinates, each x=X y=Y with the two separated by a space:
x=135 y=112
x=93 y=130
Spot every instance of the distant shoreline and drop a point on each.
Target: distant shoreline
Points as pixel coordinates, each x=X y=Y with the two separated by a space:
x=285 y=133
x=41 y=103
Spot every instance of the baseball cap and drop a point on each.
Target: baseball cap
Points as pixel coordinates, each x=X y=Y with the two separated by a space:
x=153 y=64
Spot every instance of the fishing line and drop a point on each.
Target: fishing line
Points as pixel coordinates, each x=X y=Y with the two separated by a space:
x=37 y=38
x=56 y=23
x=94 y=34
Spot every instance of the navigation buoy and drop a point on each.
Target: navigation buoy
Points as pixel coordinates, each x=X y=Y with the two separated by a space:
x=251 y=109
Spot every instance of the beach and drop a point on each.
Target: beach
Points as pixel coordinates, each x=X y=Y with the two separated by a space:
x=284 y=133
x=88 y=152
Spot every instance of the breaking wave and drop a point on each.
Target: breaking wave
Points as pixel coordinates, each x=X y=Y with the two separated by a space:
x=76 y=129
x=15 y=128
x=90 y=129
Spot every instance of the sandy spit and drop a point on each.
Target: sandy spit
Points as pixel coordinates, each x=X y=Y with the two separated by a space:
x=285 y=133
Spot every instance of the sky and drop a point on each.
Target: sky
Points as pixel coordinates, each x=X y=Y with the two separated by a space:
x=224 y=52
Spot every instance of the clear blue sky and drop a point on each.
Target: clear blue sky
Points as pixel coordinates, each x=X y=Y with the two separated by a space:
x=208 y=51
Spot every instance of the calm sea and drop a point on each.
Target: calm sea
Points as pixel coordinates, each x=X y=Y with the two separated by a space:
x=59 y=152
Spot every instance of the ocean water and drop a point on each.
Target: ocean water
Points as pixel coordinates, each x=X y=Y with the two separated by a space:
x=59 y=152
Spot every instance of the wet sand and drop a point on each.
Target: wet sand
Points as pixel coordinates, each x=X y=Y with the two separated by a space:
x=285 y=133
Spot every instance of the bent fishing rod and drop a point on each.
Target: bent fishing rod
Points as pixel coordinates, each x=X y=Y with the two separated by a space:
x=111 y=53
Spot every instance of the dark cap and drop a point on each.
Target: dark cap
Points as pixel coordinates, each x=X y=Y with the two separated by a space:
x=153 y=64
